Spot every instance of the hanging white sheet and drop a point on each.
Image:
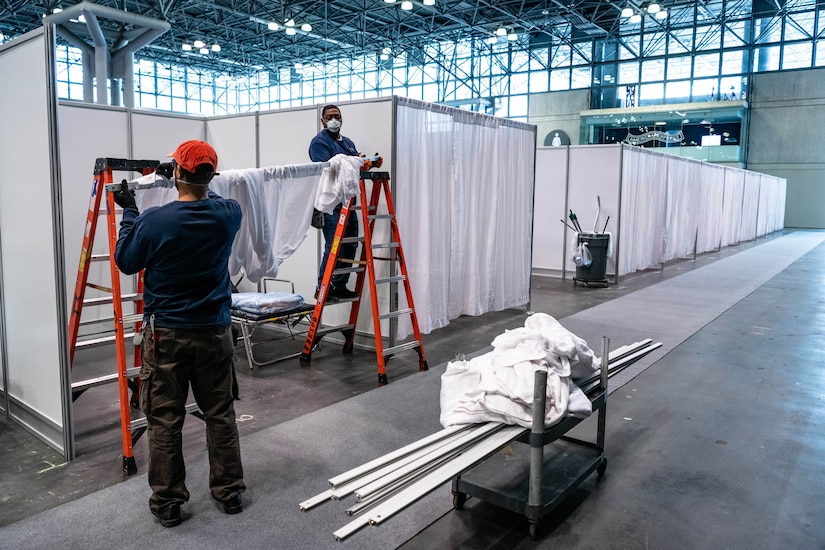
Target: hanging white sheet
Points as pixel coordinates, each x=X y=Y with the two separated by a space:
x=276 y=202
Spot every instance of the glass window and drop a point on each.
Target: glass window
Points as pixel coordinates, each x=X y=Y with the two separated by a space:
x=581 y=77
x=797 y=56
x=706 y=65
x=538 y=81
x=518 y=83
x=538 y=59
x=651 y=94
x=766 y=59
x=560 y=80
x=581 y=53
x=708 y=37
x=655 y=44
x=800 y=26
x=733 y=62
x=704 y=90
x=734 y=33
x=653 y=70
x=681 y=41
x=679 y=67
x=629 y=48
x=819 y=61
x=677 y=92
x=731 y=87
x=629 y=73
x=518 y=106
x=561 y=56
x=768 y=30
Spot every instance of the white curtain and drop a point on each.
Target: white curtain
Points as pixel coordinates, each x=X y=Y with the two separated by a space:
x=644 y=209
x=464 y=203
x=711 y=208
x=684 y=199
x=750 y=203
x=732 y=206
x=277 y=207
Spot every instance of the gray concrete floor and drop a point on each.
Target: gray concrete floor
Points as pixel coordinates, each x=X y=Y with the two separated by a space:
x=717 y=445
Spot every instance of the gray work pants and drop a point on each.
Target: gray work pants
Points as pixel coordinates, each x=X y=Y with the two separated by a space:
x=172 y=361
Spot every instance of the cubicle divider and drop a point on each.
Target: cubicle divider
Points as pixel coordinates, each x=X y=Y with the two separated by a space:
x=662 y=207
x=33 y=337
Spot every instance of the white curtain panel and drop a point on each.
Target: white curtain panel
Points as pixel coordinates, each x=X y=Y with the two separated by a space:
x=750 y=204
x=732 y=206
x=711 y=208
x=684 y=194
x=644 y=209
x=464 y=203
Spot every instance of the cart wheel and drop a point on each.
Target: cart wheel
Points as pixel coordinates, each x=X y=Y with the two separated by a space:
x=534 y=530
x=458 y=500
x=601 y=467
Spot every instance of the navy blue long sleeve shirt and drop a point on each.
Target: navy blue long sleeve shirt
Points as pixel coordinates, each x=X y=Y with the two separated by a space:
x=184 y=248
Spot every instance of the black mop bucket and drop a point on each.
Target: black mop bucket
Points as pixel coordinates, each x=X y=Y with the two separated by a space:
x=597 y=244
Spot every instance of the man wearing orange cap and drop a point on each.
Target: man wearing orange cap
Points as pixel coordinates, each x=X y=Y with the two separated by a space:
x=184 y=248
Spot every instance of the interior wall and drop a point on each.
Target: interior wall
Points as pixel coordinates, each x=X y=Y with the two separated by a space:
x=549 y=203
x=787 y=130
x=594 y=174
x=558 y=111
x=31 y=288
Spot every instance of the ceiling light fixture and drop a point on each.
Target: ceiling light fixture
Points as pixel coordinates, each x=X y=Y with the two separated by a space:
x=306 y=27
x=501 y=31
x=384 y=57
x=661 y=14
x=273 y=26
x=204 y=51
x=198 y=43
x=406 y=5
x=216 y=47
x=654 y=8
x=390 y=1
x=290 y=31
x=290 y=23
x=387 y=50
x=186 y=47
x=429 y=2
x=635 y=18
x=627 y=12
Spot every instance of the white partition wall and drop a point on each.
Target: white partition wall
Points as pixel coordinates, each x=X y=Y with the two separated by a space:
x=661 y=206
x=550 y=201
x=594 y=175
x=36 y=386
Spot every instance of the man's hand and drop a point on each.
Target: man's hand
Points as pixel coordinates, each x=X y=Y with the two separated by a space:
x=166 y=169
x=367 y=163
x=123 y=197
x=378 y=162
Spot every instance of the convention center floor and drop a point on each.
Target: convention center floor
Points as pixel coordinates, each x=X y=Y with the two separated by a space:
x=728 y=425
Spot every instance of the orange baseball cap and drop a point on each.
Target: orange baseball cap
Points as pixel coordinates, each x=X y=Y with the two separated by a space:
x=193 y=153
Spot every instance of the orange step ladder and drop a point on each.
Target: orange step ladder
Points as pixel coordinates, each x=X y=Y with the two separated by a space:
x=368 y=204
x=126 y=377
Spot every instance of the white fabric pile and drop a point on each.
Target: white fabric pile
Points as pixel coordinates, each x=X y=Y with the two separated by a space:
x=339 y=182
x=498 y=386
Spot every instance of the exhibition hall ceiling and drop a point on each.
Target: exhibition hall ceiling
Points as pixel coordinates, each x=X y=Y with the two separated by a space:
x=248 y=36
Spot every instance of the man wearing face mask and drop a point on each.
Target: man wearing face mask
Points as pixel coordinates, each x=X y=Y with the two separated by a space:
x=183 y=248
x=328 y=143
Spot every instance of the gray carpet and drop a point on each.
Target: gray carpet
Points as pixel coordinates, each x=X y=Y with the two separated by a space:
x=289 y=463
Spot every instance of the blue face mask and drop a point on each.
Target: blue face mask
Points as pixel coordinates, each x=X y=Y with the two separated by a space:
x=334 y=125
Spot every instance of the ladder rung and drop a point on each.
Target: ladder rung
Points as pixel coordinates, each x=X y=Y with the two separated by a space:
x=100 y=380
x=96 y=321
x=352 y=239
x=141 y=422
x=327 y=330
x=395 y=279
x=101 y=340
x=402 y=347
x=393 y=314
x=347 y=270
x=381 y=216
x=100 y=258
x=132 y=318
x=386 y=245
x=108 y=299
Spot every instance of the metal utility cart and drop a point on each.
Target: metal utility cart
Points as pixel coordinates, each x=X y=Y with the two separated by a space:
x=529 y=481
